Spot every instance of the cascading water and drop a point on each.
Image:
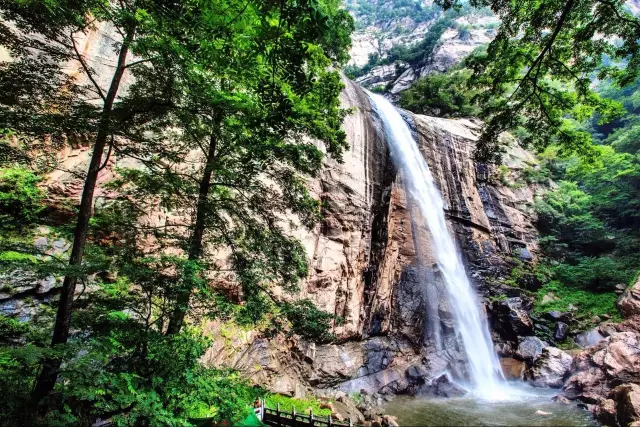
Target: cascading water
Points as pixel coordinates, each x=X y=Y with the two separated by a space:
x=471 y=327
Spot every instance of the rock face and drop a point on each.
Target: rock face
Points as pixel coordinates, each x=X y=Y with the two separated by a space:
x=372 y=263
x=379 y=33
x=370 y=259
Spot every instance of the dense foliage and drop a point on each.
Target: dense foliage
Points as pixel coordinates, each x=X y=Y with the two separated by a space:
x=211 y=105
x=538 y=70
x=441 y=95
x=591 y=219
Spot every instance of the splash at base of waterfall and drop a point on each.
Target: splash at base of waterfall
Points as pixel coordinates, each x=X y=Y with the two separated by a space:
x=471 y=329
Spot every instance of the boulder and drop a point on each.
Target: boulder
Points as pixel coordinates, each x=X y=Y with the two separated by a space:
x=551 y=368
x=627 y=403
x=442 y=386
x=348 y=411
x=513 y=369
x=606 y=412
x=599 y=372
x=511 y=318
x=416 y=373
x=530 y=348
x=589 y=338
x=561 y=330
x=629 y=302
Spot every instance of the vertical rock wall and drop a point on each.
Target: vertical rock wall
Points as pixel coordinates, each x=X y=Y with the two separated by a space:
x=372 y=262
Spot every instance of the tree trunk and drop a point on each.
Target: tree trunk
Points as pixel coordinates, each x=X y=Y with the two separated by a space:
x=195 y=248
x=50 y=366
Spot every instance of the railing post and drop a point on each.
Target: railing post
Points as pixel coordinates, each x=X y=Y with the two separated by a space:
x=350 y=423
x=278 y=414
x=329 y=420
x=311 y=416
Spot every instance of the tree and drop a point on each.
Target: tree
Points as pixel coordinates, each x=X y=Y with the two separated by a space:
x=538 y=70
x=260 y=91
x=240 y=86
x=41 y=99
x=442 y=95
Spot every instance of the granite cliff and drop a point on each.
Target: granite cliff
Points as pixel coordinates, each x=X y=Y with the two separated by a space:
x=372 y=264
x=369 y=262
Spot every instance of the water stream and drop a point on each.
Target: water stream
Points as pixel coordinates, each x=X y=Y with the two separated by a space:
x=471 y=328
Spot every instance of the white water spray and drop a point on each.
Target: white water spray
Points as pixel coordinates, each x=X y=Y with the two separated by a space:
x=471 y=326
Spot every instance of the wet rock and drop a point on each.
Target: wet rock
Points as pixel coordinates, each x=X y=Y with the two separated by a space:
x=561 y=399
x=442 y=386
x=511 y=318
x=513 y=369
x=530 y=348
x=561 y=330
x=504 y=349
x=551 y=368
x=417 y=373
x=589 y=338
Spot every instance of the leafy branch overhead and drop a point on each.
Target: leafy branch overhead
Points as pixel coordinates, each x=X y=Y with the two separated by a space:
x=537 y=72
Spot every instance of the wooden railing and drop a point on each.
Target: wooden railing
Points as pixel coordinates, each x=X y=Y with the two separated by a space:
x=271 y=417
x=277 y=418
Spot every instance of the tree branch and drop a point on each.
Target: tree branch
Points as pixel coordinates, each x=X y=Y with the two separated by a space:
x=87 y=70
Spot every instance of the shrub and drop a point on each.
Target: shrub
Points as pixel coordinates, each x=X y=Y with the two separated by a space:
x=21 y=201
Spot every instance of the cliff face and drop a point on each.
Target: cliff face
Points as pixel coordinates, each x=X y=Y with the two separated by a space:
x=385 y=24
x=372 y=264
x=370 y=259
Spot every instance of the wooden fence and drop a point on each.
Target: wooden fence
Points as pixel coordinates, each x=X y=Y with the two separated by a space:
x=277 y=418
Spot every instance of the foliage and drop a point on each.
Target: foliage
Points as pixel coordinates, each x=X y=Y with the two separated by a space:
x=538 y=69
x=302 y=405
x=590 y=219
x=586 y=304
x=441 y=95
x=21 y=200
x=225 y=100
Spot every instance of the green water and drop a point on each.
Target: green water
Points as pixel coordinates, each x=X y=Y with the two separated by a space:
x=519 y=410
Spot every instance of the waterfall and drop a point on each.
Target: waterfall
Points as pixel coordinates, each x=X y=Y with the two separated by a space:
x=472 y=330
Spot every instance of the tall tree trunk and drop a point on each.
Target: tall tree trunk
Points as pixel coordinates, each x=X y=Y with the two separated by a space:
x=195 y=248
x=50 y=366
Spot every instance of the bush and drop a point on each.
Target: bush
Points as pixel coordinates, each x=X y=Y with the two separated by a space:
x=595 y=274
x=301 y=405
x=21 y=201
